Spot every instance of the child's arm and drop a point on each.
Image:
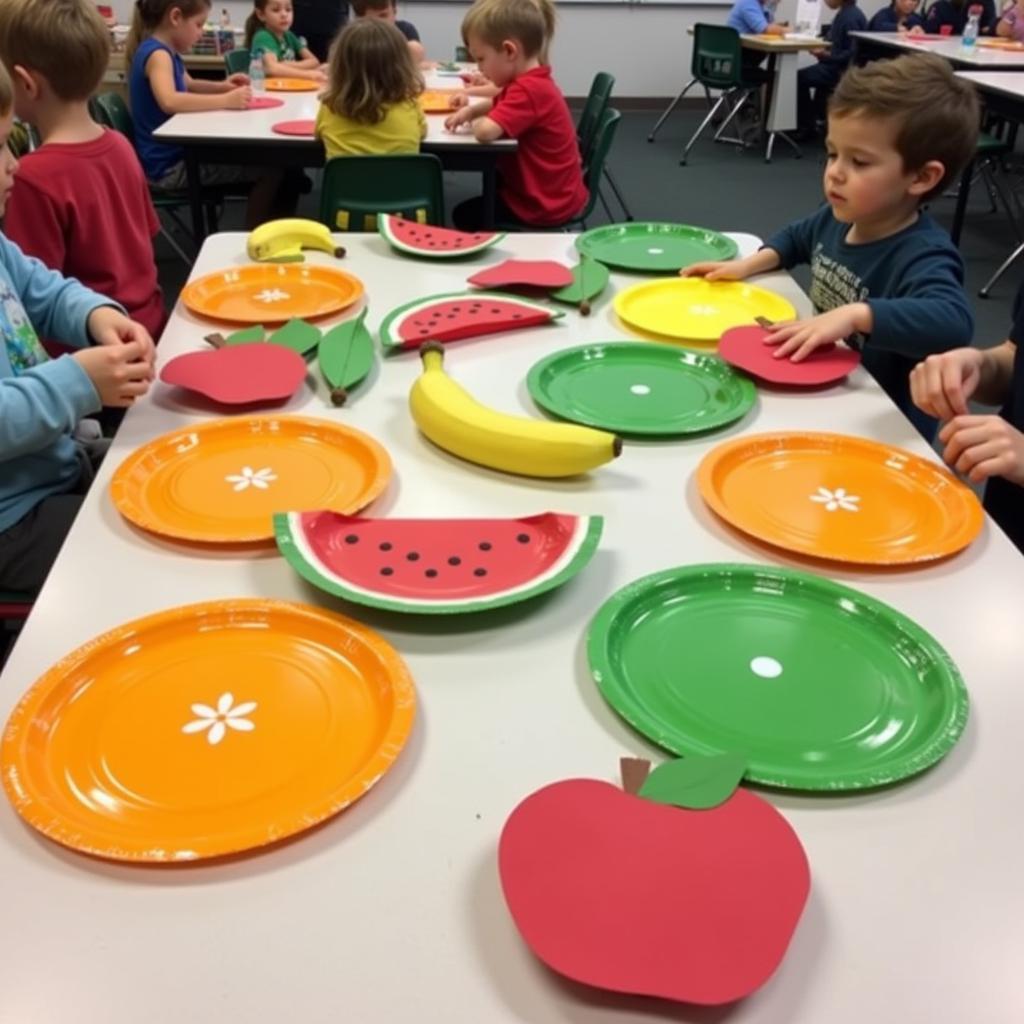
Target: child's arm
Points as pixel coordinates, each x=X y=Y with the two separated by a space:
x=207 y=87
x=469 y=113
x=160 y=72
x=293 y=68
x=759 y=262
x=417 y=51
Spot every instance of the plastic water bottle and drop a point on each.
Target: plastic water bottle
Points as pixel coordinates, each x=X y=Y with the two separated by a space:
x=257 y=76
x=969 y=39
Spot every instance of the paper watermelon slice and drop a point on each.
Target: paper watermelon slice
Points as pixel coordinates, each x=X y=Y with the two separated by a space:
x=460 y=315
x=436 y=565
x=429 y=240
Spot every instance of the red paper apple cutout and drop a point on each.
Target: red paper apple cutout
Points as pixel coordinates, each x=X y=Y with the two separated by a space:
x=239 y=374
x=633 y=893
x=745 y=348
x=523 y=274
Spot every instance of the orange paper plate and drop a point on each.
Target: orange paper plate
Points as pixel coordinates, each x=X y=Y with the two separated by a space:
x=840 y=498
x=222 y=481
x=205 y=730
x=292 y=85
x=436 y=101
x=262 y=293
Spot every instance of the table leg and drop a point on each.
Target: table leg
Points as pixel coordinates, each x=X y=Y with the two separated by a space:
x=195 y=195
x=781 y=114
x=962 y=194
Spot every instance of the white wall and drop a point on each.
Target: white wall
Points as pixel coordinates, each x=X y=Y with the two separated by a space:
x=645 y=46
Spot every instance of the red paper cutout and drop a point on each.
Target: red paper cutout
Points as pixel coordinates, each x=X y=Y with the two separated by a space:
x=525 y=273
x=304 y=127
x=239 y=374
x=744 y=348
x=264 y=103
x=627 y=895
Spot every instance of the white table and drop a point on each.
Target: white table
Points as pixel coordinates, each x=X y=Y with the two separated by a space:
x=246 y=137
x=392 y=912
x=870 y=45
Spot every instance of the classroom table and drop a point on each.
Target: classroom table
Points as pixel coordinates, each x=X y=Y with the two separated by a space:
x=783 y=65
x=392 y=912
x=879 y=45
x=246 y=138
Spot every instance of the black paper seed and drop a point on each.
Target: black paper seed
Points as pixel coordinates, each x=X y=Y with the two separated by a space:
x=523 y=538
x=485 y=545
x=479 y=572
x=386 y=571
x=455 y=560
x=386 y=546
x=351 y=539
x=413 y=556
x=431 y=573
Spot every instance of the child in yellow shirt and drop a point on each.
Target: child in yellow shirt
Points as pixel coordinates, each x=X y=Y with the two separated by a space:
x=370 y=104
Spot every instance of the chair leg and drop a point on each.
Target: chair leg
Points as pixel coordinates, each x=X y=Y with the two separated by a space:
x=618 y=194
x=1004 y=267
x=672 y=106
x=736 y=108
x=173 y=243
x=604 y=203
x=785 y=138
x=707 y=120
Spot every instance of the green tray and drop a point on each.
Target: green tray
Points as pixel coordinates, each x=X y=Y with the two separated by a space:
x=819 y=686
x=654 y=247
x=635 y=388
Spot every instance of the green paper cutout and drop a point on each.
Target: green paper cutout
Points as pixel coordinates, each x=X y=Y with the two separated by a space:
x=346 y=356
x=246 y=335
x=697 y=783
x=589 y=279
x=297 y=335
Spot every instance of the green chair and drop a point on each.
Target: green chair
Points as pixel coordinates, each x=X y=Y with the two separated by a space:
x=717 y=63
x=586 y=133
x=356 y=188
x=237 y=61
x=110 y=109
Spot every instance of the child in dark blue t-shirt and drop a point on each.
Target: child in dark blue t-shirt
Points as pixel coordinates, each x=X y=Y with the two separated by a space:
x=982 y=447
x=899 y=16
x=885 y=276
x=824 y=76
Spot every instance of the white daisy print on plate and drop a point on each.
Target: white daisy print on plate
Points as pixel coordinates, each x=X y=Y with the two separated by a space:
x=269 y=295
x=837 y=499
x=261 y=479
x=216 y=722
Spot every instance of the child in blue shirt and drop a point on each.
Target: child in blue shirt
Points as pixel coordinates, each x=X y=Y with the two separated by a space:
x=42 y=469
x=754 y=18
x=823 y=77
x=899 y=16
x=982 y=447
x=885 y=276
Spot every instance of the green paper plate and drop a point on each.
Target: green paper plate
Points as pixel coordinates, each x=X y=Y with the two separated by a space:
x=819 y=686
x=654 y=247
x=634 y=388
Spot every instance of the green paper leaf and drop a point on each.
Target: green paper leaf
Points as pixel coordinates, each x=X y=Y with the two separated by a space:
x=246 y=335
x=589 y=279
x=297 y=335
x=698 y=783
x=346 y=356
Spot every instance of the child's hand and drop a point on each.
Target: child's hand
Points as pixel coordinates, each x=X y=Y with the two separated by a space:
x=916 y=31
x=942 y=384
x=474 y=78
x=462 y=116
x=721 y=270
x=238 y=99
x=109 y=326
x=984 y=446
x=801 y=337
x=119 y=373
x=459 y=99
x=238 y=79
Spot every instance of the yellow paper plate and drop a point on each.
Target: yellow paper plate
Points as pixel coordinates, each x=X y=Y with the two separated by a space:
x=692 y=309
x=205 y=730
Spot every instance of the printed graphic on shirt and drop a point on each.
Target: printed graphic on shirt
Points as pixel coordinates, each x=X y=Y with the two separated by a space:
x=834 y=284
x=23 y=348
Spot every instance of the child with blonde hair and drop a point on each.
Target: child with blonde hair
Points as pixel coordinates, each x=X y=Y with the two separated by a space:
x=370 y=104
x=80 y=202
x=284 y=54
x=43 y=470
x=159 y=87
x=541 y=183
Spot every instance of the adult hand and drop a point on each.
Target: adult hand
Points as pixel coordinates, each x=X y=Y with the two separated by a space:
x=984 y=446
x=109 y=326
x=120 y=373
x=942 y=384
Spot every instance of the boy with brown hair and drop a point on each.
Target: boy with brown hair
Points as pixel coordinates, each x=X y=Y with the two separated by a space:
x=385 y=10
x=884 y=275
x=541 y=184
x=81 y=203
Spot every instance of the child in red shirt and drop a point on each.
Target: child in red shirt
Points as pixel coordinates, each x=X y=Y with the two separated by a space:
x=80 y=202
x=541 y=184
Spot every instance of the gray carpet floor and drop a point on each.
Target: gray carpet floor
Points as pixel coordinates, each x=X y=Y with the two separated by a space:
x=731 y=190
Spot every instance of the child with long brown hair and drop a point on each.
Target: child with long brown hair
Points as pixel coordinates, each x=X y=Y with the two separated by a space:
x=370 y=105
x=268 y=35
x=159 y=87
